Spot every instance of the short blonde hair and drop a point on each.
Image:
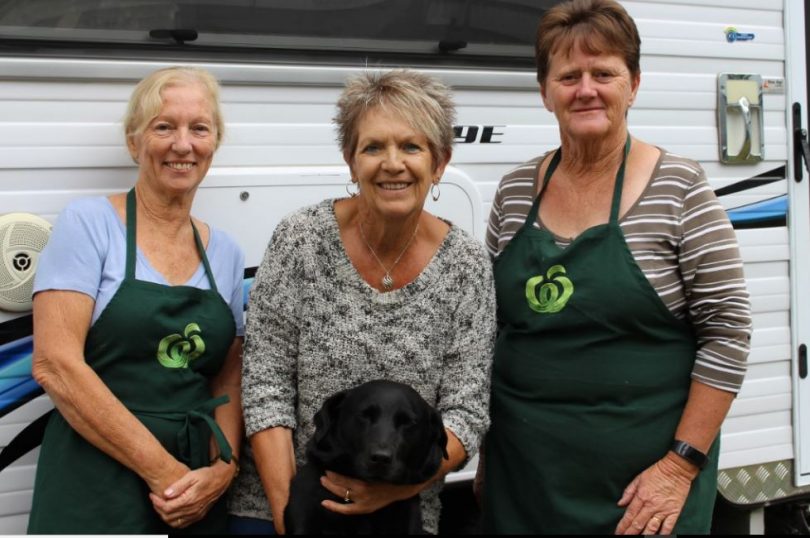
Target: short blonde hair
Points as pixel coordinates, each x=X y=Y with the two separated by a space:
x=422 y=101
x=146 y=100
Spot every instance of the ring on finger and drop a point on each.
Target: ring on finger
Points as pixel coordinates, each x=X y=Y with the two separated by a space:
x=179 y=520
x=655 y=520
x=347 y=498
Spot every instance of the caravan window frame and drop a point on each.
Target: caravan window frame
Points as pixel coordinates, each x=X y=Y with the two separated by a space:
x=492 y=33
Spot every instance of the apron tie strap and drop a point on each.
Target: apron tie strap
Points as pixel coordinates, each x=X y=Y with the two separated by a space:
x=193 y=435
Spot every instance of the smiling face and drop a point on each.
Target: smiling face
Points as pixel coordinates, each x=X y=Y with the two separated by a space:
x=589 y=93
x=393 y=165
x=176 y=148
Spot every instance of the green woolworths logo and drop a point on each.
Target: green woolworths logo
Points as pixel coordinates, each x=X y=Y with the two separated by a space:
x=174 y=351
x=555 y=290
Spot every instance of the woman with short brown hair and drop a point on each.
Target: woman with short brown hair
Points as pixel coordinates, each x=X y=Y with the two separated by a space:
x=623 y=314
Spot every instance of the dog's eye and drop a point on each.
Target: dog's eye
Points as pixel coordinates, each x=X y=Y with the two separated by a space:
x=403 y=420
x=371 y=413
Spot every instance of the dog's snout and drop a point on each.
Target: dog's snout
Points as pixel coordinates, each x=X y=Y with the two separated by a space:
x=381 y=457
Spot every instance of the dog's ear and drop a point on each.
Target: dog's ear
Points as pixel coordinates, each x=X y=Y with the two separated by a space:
x=437 y=446
x=322 y=445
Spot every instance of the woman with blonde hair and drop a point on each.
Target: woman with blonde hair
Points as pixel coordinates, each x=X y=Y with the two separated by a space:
x=137 y=336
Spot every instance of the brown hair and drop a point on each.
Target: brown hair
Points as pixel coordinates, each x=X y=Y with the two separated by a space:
x=598 y=26
x=146 y=100
x=424 y=102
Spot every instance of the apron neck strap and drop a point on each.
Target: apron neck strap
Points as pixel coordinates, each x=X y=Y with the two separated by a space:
x=617 y=189
x=131 y=243
x=555 y=161
x=131 y=226
x=201 y=249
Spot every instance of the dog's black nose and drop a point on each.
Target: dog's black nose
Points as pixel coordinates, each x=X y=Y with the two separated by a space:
x=381 y=457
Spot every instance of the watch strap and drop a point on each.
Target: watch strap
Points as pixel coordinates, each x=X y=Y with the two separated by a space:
x=690 y=453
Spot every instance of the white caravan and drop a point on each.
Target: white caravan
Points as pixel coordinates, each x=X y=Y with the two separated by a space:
x=723 y=82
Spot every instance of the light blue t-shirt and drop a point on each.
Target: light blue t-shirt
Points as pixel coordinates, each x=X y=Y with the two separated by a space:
x=87 y=253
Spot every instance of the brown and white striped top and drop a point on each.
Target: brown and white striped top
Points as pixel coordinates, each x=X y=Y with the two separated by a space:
x=683 y=241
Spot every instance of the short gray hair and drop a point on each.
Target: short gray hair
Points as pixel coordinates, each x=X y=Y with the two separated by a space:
x=422 y=101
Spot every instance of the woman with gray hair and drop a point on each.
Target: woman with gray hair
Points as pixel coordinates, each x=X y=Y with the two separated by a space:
x=366 y=287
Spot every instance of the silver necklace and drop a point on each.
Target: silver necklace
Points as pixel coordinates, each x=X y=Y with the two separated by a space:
x=387 y=282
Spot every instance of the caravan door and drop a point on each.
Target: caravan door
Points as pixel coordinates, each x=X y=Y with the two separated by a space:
x=799 y=226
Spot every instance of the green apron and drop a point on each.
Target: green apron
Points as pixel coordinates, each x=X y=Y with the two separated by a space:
x=590 y=378
x=156 y=347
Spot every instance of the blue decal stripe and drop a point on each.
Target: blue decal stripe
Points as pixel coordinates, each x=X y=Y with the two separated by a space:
x=13 y=398
x=16 y=383
x=766 y=210
x=13 y=352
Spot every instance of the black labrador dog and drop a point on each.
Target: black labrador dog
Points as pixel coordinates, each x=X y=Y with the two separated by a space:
x=380 y=431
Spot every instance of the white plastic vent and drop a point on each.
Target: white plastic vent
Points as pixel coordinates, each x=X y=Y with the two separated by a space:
x=22 y=238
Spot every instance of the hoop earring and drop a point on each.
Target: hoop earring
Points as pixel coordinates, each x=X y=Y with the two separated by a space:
x=435 y=194
x=349 y=191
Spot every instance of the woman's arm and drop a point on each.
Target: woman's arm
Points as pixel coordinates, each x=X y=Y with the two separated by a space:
x=229 y=416
x=61 y=322
x=269 y=377
x=655 y=498
x=702 y=417
x=190 y=498
x=464 y=391
x=719 y=311
x=229 y=379
x=275 y=461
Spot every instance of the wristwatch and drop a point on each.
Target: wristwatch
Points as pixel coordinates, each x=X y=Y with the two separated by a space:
x=690 y=453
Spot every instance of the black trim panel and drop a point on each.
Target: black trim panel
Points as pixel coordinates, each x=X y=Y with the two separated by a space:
x=16 y=328
x=771 y=176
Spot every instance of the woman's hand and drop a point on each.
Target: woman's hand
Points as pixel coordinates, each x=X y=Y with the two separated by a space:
x=369 y=497
x=366 y=497
x=655 y=498
x=188 y=500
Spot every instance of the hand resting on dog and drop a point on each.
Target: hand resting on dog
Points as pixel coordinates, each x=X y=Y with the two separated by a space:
x=383 y=443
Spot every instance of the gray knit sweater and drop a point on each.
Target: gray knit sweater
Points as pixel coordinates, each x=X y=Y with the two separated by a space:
x=315 y=327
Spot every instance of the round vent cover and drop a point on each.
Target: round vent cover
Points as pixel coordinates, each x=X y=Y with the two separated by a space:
x=22 y=238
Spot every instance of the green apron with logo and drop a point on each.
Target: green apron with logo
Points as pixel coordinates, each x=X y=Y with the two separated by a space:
x=156 y=347
x=590 y=378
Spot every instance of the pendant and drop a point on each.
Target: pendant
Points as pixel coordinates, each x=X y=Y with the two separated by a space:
x=387 y=282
